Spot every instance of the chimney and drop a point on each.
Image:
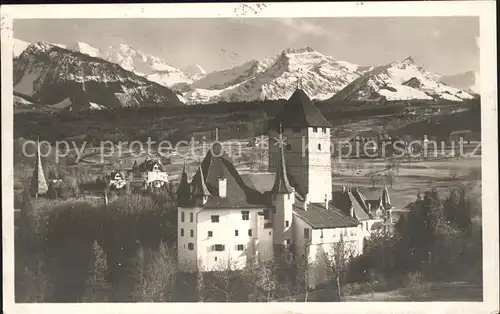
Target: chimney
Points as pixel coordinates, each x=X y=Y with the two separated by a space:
x=306 y=201
x=369 y=207
x=344 y=189
x=351 y=211
x=222 y=187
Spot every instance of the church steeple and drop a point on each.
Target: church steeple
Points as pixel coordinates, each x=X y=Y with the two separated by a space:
x=281 y=183
x=38 y=183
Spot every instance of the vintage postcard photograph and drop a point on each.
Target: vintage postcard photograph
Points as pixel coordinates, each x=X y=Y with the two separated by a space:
x=272 y=157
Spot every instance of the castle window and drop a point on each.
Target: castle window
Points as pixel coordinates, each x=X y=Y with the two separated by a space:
x=191 y=233
x=245 y=215
x=214 y=218
x=182 y=216
x=210 y=234
x=319 y=146
x=235 y=233
x=190 y=217
x=240 y=247
x=315 y=130
x=190 y=246
x=321 y=236
x=287 y=224
x=182 y=232
x=249 y=232
x=215 y=258
x=219 y=247
x=288 y=146
x=324 y=130
x=306 y=233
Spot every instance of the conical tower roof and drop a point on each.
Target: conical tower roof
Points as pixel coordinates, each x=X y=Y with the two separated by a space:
x=199 y=184
x=281 y=183
x=183 y=192
x=38 y=183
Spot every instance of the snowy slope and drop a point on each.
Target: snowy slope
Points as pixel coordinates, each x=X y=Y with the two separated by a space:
x=52 y=75
x=403 y=80
x=18 y=46
x=84 y=48
x=276 y=78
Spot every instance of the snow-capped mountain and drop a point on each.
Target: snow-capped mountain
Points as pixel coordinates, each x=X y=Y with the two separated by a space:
x=51 y=75
x=18 y=46
x=403 y=80
x=195 y=71
x=276 y=78
x=468 y=81
x=84 y=48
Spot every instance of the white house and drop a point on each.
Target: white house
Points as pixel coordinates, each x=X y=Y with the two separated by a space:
x=225 y=221
x=149 y=173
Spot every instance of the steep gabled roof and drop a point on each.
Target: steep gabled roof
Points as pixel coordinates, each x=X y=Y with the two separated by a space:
x=239 y=194
x=345 y=200
x=281 y=184
x=358 y=210
x=319 y=217
x=386 y=200
x=148 y=165
x=299 y=111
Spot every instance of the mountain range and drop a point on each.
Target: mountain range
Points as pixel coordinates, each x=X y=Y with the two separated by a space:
x=123 y=76
x=62 y=78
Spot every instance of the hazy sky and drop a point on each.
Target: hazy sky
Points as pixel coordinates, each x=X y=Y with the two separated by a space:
x=446 y=45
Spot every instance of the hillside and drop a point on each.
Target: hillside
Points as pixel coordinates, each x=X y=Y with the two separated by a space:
x=63 y=78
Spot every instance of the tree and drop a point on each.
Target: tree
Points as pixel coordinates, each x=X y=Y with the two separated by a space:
x=337 y=262
x=225 y=280
x=97 y=286
x=156 y=273
x=261 y=277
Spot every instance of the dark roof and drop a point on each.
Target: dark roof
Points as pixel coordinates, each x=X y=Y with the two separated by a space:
x=239 y=194
x=183 y=191
x=148 y=165
x=199 y=187
x=344 y=201
x=299 y=111
x=281 y=184
x=319 y=217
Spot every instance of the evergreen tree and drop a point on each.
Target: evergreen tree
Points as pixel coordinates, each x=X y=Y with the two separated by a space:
x=97 y=286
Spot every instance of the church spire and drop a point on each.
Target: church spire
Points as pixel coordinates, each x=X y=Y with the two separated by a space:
x=38 y=183
x=281 y=184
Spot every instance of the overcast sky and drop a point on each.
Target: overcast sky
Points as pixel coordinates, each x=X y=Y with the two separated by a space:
x=446 y=45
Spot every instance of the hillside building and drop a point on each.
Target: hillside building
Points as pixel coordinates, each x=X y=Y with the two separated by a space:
x=148 y=174
x=225 y=220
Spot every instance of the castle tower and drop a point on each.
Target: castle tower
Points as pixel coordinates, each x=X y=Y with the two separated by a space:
x=38 y=184
x=307 y=147
x=284 y=197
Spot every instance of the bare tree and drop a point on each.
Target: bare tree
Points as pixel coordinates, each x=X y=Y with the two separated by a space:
x=337 y=263
x=261 y=277
x=155 y=275
x=225 y=280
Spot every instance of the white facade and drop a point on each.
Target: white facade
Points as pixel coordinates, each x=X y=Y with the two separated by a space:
x=319 y=244
x=308 y=159
x=218 y=238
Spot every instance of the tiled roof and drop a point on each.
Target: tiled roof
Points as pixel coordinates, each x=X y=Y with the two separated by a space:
x=148 y=165
x=299 y=111
x=320 y=218
x=199 y=187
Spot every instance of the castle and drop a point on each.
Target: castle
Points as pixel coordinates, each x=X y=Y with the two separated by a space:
x=225 y=221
